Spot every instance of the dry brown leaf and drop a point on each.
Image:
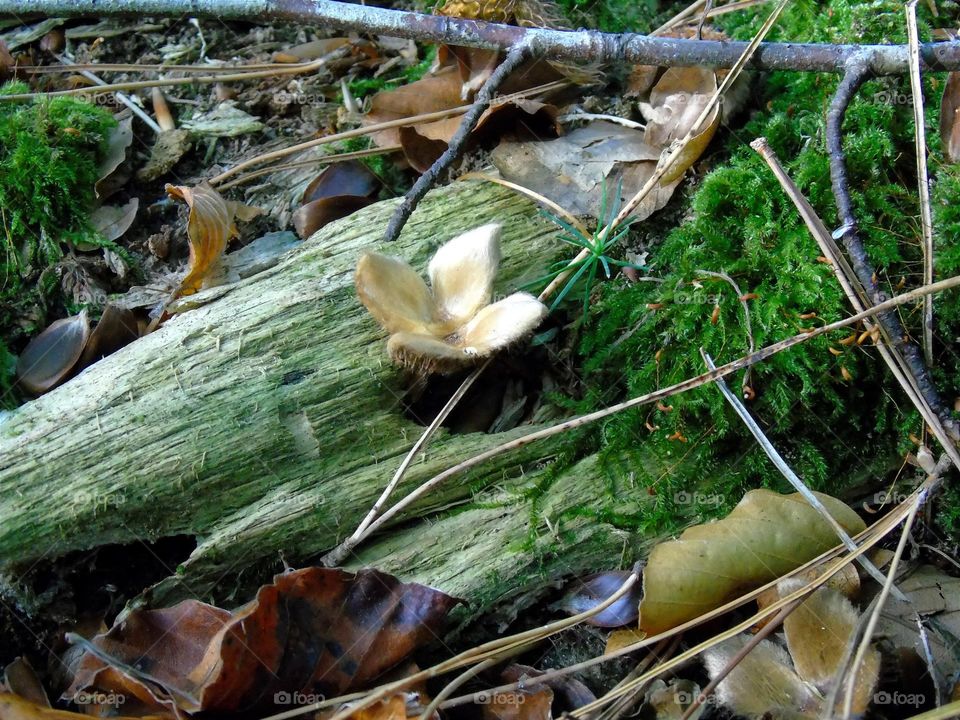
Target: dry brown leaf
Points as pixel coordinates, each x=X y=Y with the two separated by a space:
x=440 y=91
x=13 y=707
x=117 y=328
x=619 y=639
x=819 y=634
x=762 y=682
x=6 y=62
x=340 y=190
x=765 y=536
x=312 y=631
x=846 y=581
x=118 y=141
x=934 y=598
x=112 y=221
x=577 y=169
x=569 y=693
x=950 y=117
x=526 y=704
x=21 y=679
x=676 y=101
x=51 y=356
x=209 y=228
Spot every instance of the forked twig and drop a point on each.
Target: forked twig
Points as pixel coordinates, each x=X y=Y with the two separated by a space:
x=858 y=298
x=457 y=143
x=858 y=70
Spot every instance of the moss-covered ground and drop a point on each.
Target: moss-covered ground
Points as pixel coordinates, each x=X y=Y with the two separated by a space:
x=831 y=408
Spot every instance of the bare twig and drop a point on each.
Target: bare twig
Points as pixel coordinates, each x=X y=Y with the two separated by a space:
x=923 y=179
x=555 y=44
x=777 y=459
x=457 y=143
x=413 y=120
x=102 y=88
x=122 y=98
x=323 y=160
x=859 y=300
x=858 y=70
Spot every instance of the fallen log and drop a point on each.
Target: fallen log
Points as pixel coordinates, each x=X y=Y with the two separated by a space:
x=265 y=420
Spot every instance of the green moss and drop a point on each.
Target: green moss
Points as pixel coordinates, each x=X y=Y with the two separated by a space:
x=696 y=456
x=49 y=154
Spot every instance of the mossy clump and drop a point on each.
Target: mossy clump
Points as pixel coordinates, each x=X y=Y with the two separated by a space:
x=829 y=406
x=50 y=150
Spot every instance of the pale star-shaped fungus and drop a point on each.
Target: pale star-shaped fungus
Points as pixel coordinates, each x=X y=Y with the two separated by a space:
x=454 y=325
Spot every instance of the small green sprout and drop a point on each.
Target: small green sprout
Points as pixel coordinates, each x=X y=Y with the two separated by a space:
x=598 y=245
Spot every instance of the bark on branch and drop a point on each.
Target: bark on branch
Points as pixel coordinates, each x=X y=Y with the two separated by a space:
x=583 y=45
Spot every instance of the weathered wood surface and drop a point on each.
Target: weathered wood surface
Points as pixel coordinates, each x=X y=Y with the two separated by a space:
x=266 y=420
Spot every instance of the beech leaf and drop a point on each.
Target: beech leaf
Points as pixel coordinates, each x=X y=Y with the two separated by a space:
x=118 y=141
x=112 y=221
x=950 y=118
x=765 y=536
x=594 y=589
x=210 y=226
x=313 y=631
x=762 y=682
x=49 y=358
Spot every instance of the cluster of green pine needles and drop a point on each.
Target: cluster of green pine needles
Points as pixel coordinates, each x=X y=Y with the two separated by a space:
x=584 y=271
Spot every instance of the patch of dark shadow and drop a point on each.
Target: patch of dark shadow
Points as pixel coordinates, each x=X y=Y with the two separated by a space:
x=41 y=601
x=510 y=392
x=295 y=376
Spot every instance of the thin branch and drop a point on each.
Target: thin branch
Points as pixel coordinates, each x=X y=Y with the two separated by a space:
x=777 y=459
x=457 y=143
x=581 y=45
x=323 y=160
x=923 y=179
x=411 y=121
x=339 y=553
x=103 y=88
x=661 y=394
x=858 y=70
x=122 y=98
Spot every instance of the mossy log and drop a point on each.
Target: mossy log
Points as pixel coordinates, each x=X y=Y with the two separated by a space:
x=265 y=420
